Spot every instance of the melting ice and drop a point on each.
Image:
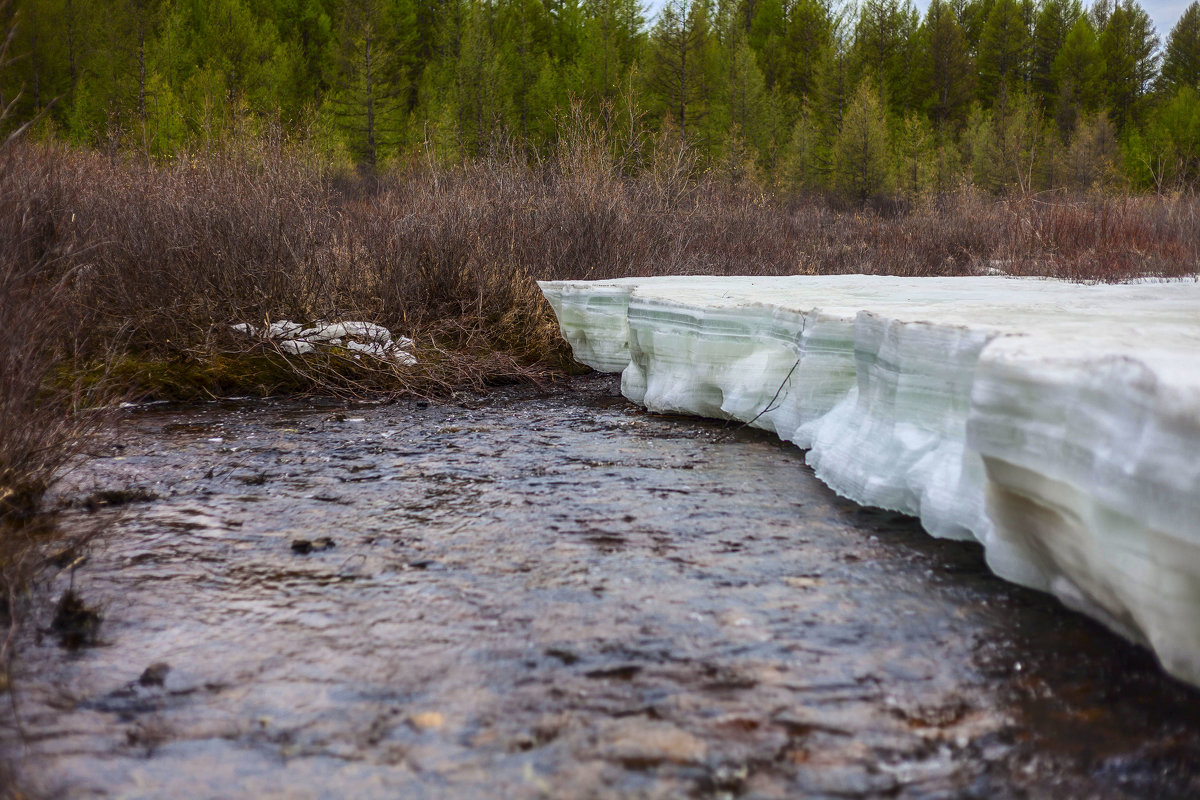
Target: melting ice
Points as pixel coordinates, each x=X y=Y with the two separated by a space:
x=1057 y=424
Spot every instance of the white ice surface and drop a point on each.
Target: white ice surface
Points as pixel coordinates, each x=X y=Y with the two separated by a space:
x=1057 y=424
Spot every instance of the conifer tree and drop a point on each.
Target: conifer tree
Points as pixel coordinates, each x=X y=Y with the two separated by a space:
x=1181 y=59
x=1054 y=21
x=883 y=39
x=807 y=163
x=679 y=59
x=611 y=40
x=1077 y=74
x=38 y=52
x=1006 y=142
x=972 y=15
x=1003 y=51
x=523 y=38
x=1092 y=153
x=307 y=26
x=479 y=99
x=808 y=42
x=915 y=173
x=862 y=150
x=370 y=81
x=766 y=37
x=947 y=73
x=1129 y=47
x=747 y=96
x=1166 y=155
x=111 y=96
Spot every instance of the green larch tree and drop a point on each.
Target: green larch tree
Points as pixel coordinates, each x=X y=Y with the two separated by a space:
x=1077 y=75
x=946 y=73
x=480 y=105
x=766 y=35
x=862 y=150
x=915 y=157
x=1181 y=57
x=972 y=15
x=1003 y=51
x=1054 y=21
x=523 y=41
x=611 y=40
x=882 y=48
x=370 y=83
x=1166 y=154
x=807 y=43
x=746 y=96
x=678 y=63
x=1128 y=46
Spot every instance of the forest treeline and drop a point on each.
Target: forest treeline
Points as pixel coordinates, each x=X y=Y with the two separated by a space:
x=867 y=100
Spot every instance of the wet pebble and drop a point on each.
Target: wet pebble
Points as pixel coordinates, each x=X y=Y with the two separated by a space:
x=155 y=674
x=642 y=743
x=844 y=780
x=305 y=546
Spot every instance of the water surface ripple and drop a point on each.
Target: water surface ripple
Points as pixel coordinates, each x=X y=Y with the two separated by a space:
x=533 y=594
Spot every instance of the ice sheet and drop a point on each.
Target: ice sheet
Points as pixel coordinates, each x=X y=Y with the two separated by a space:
x=1057 y=424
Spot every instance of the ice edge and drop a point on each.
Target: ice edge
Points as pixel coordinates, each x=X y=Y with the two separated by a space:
x=1054 y=423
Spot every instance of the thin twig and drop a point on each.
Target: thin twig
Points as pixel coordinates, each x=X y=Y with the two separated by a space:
x=769 y=407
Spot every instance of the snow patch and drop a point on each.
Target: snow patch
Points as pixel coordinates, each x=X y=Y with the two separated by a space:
x=361 y=338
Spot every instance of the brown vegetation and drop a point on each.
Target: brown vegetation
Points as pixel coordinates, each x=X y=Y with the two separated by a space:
x=45 y=416
x=158 y=260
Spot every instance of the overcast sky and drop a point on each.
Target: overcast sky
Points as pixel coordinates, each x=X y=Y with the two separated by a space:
x=1165 y=13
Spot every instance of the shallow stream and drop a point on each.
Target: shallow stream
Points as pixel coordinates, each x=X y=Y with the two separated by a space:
x=553 y=594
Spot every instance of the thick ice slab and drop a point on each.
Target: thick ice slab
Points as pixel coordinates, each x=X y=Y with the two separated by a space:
x=1057 y=424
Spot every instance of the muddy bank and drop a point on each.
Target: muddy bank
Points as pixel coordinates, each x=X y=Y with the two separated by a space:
x=554 y=595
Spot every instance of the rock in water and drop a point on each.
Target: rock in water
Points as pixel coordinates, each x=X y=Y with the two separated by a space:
x=1055 y=423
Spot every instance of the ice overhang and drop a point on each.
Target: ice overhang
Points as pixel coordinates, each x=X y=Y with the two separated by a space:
x=1057 y=424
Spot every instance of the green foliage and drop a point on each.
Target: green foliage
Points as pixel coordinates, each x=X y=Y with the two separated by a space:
x=370 y=82
x=808 y=44
x=747 y=97
x=1055 y=20
x=1181 y=59
x=1005 y=143
x=1128 y=45
x=916 y=163
x=681 y=65
x=862 y=150
x=807 y=162
x=946 y=72
x=884 y=49
x=480 y=104
x=1091 y=158
x=1076 y=74
x=1167 y=154
x=758 y=90
x=1004 y=47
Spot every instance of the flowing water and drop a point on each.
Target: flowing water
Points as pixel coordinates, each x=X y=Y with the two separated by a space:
x=552 y=594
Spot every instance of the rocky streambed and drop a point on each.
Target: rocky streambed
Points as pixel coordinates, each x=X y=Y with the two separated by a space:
x=551 y=594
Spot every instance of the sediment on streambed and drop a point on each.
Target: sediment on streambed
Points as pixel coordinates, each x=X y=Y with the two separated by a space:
x=1051 y=422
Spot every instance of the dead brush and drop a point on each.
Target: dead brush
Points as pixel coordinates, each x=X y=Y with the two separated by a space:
x=48 y=416
x=160 y=259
